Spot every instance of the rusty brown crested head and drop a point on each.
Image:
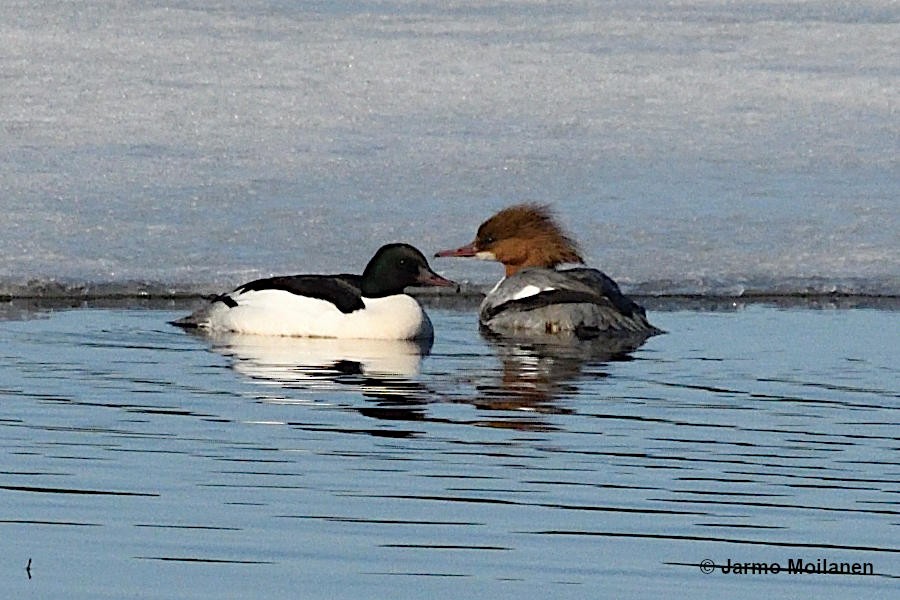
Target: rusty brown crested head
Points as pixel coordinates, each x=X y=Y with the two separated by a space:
x=523 y=235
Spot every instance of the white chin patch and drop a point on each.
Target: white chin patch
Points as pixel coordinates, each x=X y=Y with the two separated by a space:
x=485 y=255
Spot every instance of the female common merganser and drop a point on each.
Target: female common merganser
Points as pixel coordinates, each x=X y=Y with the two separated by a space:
x=535 y=296
x=367 y=306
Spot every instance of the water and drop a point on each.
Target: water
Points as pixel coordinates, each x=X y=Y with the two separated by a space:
x=141 y=461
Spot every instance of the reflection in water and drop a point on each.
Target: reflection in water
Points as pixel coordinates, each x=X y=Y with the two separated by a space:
x=19 y=310
x=298 y=361
x=493 y=461
x=534 y=373
x=538 y=369
x=380 y=370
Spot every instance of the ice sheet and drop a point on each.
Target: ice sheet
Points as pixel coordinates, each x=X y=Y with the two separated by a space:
x=692 y=147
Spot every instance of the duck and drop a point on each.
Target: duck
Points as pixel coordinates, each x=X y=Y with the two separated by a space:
x=536 y=295
x=373 y=305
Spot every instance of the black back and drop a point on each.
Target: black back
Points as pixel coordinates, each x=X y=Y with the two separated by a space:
x=341 y=290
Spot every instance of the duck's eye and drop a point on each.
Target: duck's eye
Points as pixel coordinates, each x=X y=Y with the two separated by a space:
x=488 y=239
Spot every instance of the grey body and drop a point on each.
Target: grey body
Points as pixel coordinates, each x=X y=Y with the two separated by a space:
x=582 y=302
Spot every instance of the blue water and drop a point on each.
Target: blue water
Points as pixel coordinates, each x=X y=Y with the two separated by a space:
x=141 y=461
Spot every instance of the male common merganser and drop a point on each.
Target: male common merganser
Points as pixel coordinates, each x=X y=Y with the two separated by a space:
x=367 y=306
x=535 y=296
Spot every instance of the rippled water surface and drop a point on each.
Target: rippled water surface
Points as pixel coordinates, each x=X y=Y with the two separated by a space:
x=138 y=461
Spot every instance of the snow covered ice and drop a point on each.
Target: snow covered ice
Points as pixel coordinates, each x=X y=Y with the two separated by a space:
x=692 y=147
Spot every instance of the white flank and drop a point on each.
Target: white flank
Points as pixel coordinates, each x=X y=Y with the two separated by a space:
x=277 y=312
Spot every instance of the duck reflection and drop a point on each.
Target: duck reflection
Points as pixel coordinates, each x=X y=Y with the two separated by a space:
x=539 y=369
x=535 y=374
x=375 y=367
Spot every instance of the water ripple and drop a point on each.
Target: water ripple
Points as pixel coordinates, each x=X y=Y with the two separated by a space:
x=386 y=467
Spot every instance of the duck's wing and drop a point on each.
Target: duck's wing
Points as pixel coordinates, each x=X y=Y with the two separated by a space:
x=534 y=288
x=604 y=287
x=579 y=299
x=341 y=290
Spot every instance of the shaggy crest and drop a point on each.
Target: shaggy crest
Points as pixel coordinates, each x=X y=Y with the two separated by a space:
x=527 y=235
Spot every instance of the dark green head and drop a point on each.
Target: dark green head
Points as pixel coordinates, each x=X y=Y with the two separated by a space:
x=396 y=267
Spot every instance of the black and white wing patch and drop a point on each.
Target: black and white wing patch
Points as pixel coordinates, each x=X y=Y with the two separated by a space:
x=538 y=288
x=539 y=299
x=341 y=290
